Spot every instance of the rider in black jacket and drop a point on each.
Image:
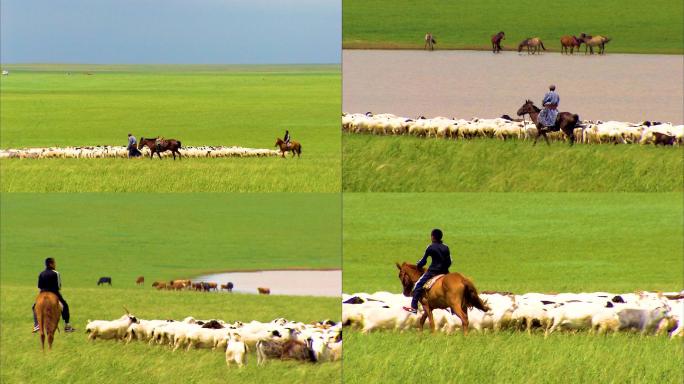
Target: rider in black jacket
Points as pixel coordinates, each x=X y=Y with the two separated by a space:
x=441 y=261
x=50 y=281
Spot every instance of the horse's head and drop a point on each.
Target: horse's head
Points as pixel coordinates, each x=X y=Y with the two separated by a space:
x=526 y=108
x=140 y=143
x=408 y=275
x=521 y=45
x=278 y=142
x=503 y=35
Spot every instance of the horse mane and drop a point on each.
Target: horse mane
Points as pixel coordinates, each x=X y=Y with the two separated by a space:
x=413 y=267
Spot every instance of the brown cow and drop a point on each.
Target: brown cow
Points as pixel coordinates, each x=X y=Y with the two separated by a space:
x=197 y=286
x=177 y=285
x=211 y=286
x=47 y=313
x=159 y=284
x=264 y=291
x=140 y=280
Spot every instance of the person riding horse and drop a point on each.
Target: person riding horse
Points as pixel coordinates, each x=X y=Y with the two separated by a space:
x=441 y=261
x=50 y=281
x=133 y=146
x=159 y=142
x=547 y=116
x=286 y=139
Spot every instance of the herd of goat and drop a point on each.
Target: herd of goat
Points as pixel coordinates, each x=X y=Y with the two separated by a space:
x=279 y=339
x=598 y=312
x=506 y=128
x=106 y=151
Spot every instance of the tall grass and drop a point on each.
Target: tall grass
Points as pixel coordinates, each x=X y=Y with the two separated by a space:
x=634 y=26
x=409 y=164
x=510 y=358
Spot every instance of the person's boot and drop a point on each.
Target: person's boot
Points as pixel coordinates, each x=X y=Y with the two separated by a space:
x=69 y=328
x=36 y=328
x=411 y=310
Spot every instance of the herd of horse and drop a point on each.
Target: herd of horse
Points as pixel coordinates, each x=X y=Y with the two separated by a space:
x=568 y=42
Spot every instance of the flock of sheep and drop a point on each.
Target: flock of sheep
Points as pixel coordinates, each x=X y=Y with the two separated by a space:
x=279 y=339
x=93 y=152
x=598 y=312
x=505 y=128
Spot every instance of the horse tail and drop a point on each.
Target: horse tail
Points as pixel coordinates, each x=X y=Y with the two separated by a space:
x=470 y=296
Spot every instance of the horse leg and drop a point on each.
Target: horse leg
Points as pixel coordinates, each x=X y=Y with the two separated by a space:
x=421 y=321
x=51 y=338
x=42 y=340
x=546 y=138
x=432 y=321
x=463 y=315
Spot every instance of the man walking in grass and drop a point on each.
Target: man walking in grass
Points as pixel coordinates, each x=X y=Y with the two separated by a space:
x=441 y=261
x=50 y=281
x=132 y=146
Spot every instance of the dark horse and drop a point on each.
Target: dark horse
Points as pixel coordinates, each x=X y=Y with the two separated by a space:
x=565 y=122
x=295 y=147
x=172 y=145
x=496 y=41
x=47 y=313
x=453 y=291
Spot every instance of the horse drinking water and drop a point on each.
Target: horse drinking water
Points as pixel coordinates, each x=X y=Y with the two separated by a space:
x=532 y=44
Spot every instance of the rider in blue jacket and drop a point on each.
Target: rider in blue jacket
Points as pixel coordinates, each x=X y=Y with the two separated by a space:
x=441 y=261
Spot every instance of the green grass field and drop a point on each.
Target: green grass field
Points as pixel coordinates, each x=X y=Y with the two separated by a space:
x=409 y=164
x=159 y=236
x=634 y=26
x=519 y=242
x=200 y=105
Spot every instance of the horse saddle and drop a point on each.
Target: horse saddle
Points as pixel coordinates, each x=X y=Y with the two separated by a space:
x=432 y=282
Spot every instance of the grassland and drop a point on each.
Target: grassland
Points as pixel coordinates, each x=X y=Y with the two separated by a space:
x=160 y=236
x=519 y=242
x=634 y=26
x=408 y=164
x=60 y=105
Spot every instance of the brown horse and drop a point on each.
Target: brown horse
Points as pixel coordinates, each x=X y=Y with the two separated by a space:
x=453 y=291
x=172 y=145
x=295 y=147
x=571 y=42
x=496 y=41
x=594 y=41
x=565 y=122
x=47 y=313
x=532 y=44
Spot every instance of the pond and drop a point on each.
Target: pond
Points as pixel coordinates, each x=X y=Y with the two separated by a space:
x=282 y=282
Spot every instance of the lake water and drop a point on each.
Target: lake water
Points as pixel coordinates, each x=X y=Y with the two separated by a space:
x=282 y=282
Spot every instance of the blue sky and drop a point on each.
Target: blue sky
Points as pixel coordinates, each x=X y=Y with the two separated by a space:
x=170 y=31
